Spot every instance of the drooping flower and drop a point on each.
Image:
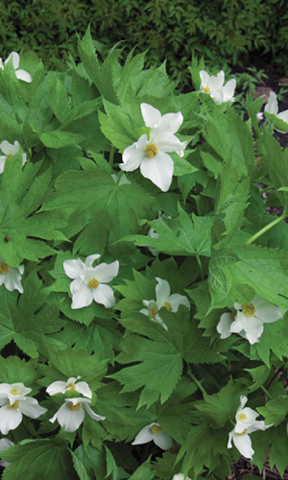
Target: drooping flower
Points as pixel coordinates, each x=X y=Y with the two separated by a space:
x=9 y=149
x=89 y=283
x=14 y=404
x=272 y=107
x=21 y=74
x=163 y=299
x=11 y=277
x=153 y=432
x=70 y=385
x=214 y=86
x=246 y=423
x=150 y=152
x=71 y=414
x=248 y=319
x=4 y=445
x=180 y=476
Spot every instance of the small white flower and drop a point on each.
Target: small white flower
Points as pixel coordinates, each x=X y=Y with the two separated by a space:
x=214 y=86
x=150 y=153
x=245 y=423
x=248 y=319
x=272 y=107
x=9 y=149
x=90 y=282
x=11 y=277
x=180 y=476
x=71 y=414
x=163 y=299
x=4 y=445
x=21 y=74
x=14 y=404
x=70 y=385
x=153 y=432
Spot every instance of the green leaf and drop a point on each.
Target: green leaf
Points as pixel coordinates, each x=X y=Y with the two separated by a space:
x=275 y=410
x=39 y=457
x=12 y=368
x=279 y=175
x=60 y=139
x=277 y=122
x=79 y=467
x=144 y=472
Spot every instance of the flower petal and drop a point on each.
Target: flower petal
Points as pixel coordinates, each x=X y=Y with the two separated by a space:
x=244 y=445
x=204 y=78
x=151 y=115
x=9 y=148
x=253 y=328
x=171 y=122
x=133 y=155
x=10 y=418
x=12 y=280
x=23 y=75
x=15 y=59
x=162 y=291
x=159 y=170
x=70 y=420
x=104 y=295
x=82 y=296
x=216 y=82
x=56 y=387
x=2 y=163
x=73 y=268
x=144 y=436
x=272 y=104
x=163 y=440
x=31 y=408
x=176 y=299
x=228 y=90
x=167 y=142
x=91 y=259
x=83 y=388
x=106 y=272
x=224 y=325
x=92 y=414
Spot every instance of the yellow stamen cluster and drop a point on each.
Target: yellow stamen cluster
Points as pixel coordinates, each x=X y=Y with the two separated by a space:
x=14 y=406
x=14 y=391
x=151 y=150
x=155 y=429
x=207 y=89
x=152 y=312
x=168 y=306
x=242 y=433
x=249 y=309
x=93 y=283
x=71 y=386
x=241 y=417
x=4 y=268
x=73 y=407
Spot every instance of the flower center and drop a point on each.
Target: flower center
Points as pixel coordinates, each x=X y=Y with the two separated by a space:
x=242 y=433
x=168 y=306
x=73 y=407
x=14 y=406
x=4 y=268
x=14 y=391
x=241 y=417
x=151 y=150
x=248 y=309
x=207 y=89
x=71 y=386
x=152 y=312
x=93 y=283
x=155 y=429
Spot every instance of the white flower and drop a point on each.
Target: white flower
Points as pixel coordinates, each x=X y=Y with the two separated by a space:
x=4 y=445
x=245 y=423
x=180 y=476
x=90 y=282
x=214 y=86
x=272 y=107
x=11 y=277
x=71 y=414
x=14 y=403
x=150 y=152
x=153 y=432
x=21 y=74
x=163 y=299
x=70 y=385
x=248 y=319
x=9 y=149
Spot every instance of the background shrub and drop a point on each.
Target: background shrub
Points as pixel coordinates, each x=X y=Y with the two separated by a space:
x=224 y=31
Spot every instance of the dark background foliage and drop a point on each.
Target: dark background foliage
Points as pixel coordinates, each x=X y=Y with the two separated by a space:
x=231 y=32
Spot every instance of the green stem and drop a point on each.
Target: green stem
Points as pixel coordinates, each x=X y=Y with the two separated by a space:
x=200 y=266
x=190 y=374
x=111 y=155
x=266 y=228
x=266 y=392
